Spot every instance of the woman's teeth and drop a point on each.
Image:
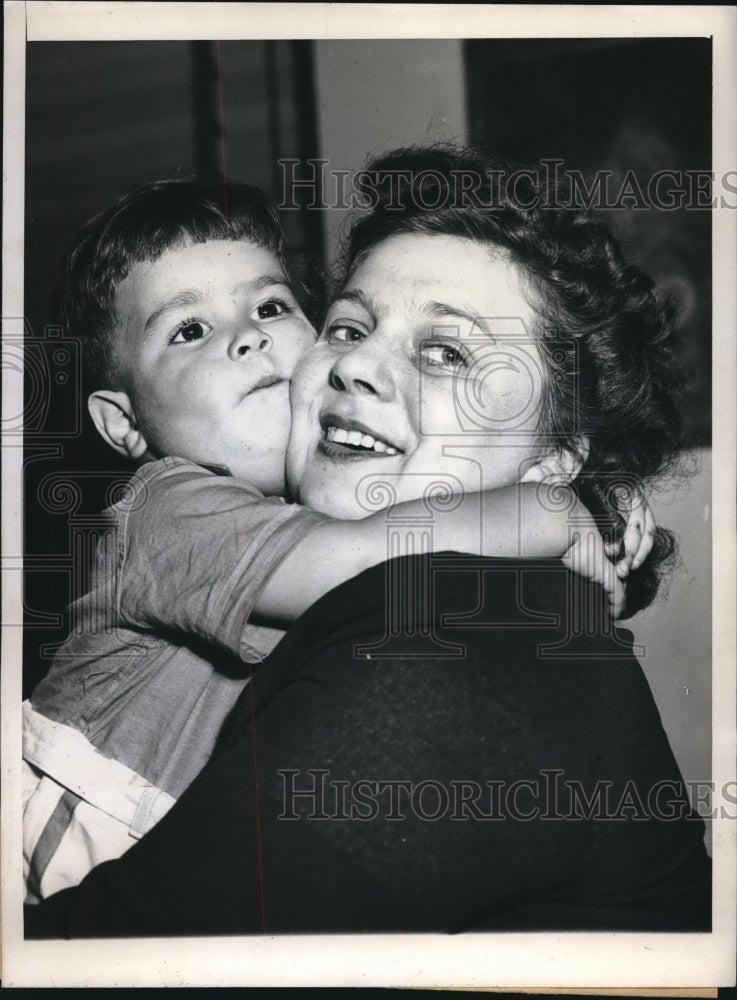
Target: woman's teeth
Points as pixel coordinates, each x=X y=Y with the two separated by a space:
x=358 y=440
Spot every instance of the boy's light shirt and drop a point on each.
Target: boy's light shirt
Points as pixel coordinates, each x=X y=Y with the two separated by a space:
x=156 y=702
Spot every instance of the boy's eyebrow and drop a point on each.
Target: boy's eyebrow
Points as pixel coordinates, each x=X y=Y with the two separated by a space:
x=187 y=298
x=195 y=297
x=265 y=281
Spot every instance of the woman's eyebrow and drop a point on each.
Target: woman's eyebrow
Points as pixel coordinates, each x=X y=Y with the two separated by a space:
x=443 y=310
x=190 y=297
x=355 y=295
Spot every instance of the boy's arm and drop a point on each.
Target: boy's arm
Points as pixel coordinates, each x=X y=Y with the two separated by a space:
x=204 y=557
x=529 y=520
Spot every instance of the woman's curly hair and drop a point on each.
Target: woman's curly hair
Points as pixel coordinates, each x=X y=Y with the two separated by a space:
x=613 y=388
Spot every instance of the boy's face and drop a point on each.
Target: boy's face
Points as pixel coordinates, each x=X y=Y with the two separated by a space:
x=208 y=338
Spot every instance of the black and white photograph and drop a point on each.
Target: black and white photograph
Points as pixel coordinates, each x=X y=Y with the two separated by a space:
x=426 y=314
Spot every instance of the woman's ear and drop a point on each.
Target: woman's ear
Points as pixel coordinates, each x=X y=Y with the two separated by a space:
x=113 y=416
x=561 y=464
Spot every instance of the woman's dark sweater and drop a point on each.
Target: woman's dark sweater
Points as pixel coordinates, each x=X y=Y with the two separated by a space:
x=443 y=743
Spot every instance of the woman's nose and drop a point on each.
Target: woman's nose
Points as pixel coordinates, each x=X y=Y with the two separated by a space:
x=364 y=370
x=248 y=341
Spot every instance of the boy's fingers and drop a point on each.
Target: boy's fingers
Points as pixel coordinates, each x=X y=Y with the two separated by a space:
x=644 y=551
x=588 y=557
x=614 y=588
x=631 y=541
x=616 y=599
x=649 y=519
x=646 y=541
x=611 y=549
x=608 y=578
x=623 y=569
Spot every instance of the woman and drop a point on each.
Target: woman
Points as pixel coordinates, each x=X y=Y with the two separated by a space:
x=447 y=743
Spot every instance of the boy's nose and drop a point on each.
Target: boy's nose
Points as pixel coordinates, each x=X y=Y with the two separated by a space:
x=246 y=342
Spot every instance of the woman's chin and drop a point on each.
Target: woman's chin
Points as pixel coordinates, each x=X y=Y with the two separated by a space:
x=336 y=496
x=348 y=487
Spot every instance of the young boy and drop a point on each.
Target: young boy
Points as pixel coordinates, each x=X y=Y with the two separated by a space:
x=191 y=333
x=180 y=294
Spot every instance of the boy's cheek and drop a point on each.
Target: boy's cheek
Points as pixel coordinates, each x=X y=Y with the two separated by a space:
x=311 y=377
x=302 y=340
x=298 y=454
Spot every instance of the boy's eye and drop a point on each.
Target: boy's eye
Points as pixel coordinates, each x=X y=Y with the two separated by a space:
x=190 y=331
x=272 y=309
x=443 y=356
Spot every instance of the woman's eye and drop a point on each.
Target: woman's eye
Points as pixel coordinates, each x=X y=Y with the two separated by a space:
x=272 y=309
x=443 y=356
x=343 y=333
x=190 y=332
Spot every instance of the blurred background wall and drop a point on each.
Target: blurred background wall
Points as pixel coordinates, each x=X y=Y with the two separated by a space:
x=102 y=117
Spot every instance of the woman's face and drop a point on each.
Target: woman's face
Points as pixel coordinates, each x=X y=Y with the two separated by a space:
x=427 y=371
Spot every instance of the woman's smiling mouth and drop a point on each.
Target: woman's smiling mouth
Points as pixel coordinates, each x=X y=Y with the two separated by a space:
x=351 y=439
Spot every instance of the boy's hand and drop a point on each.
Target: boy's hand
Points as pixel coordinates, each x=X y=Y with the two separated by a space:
x=587 y=556
x=635 y=546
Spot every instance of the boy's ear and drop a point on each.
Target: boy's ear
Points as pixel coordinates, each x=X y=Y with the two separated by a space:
x=113 y=416
x=561 y=464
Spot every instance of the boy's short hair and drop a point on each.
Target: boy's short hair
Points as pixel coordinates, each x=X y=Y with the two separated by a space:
x=140 y=226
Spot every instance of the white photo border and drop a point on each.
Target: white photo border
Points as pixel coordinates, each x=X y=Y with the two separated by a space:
x=665 y=961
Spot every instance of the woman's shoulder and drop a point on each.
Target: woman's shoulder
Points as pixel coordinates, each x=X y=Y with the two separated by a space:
x=419 y=638
x=431 y=603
